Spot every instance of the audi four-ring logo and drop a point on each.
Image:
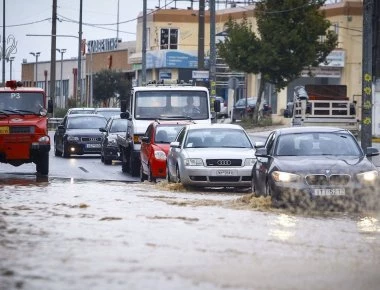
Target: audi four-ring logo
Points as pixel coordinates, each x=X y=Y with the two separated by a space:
x=223 y=162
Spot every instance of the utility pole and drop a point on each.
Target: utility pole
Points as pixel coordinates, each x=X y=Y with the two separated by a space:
x=367 y=76
x=143 y=59
x=201 y=35
x=79 y=88
x=212 y=76
x=53 y=53
x=3 y=46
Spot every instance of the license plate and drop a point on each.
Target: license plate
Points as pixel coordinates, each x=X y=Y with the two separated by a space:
x=329 y=191
x=224 y=173
x=4 y=130
x=93 y=145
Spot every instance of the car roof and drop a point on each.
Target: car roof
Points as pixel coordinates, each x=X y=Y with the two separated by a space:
x=214 y=126
x=85 y=115
x=107 y=109
x=310 y=129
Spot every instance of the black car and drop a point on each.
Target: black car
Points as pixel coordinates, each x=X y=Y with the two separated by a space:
x=79 y=134
x=109 y=149
x=302 y=164
x=243 y=108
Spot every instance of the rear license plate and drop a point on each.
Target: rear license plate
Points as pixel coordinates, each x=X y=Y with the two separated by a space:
x=225 y=172
x=329 y=191
x=92 y=145
x=4 y=130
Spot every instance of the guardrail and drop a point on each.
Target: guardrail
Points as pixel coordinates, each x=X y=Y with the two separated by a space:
x=54 y=122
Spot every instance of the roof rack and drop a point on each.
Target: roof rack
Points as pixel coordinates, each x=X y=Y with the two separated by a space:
x=170 y=82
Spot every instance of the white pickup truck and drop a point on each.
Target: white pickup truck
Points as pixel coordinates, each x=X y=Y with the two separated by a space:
x=159 y=101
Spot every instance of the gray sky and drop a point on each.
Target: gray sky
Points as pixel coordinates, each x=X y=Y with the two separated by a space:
x=34 y=17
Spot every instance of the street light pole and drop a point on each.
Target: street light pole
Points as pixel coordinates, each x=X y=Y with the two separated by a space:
x=11 y=59
x=36 y=54
x=61 y=51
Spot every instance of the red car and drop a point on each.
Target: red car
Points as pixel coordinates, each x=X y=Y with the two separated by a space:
x=155 y=146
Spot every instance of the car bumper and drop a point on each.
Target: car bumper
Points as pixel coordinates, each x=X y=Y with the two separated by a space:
x=216 y=176
x=111 y=152
x=158 y=168
x=83 y=148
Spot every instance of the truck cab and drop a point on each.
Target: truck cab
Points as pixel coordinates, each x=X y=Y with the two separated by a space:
x=24 y=134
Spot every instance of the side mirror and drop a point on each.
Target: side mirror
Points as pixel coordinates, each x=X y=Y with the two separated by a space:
x=124 y=115
x=261 y=152
x=259 y=144
x=217 y=106
x=123 y=105
x=103 y=130
x=61 y=127
x=372 y=151
x=175 y=145
x=50 y=106
x=145 y=139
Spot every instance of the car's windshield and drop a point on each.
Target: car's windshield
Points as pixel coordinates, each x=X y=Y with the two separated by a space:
x=217 y=138
x=86 y=122
x=160 y=104
x=108 y=113
x=167 y=133
x=14 y=102
x=311 y=144
x=119 y=125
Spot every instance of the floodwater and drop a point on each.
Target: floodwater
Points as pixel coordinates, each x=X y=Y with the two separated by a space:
x=68 y=234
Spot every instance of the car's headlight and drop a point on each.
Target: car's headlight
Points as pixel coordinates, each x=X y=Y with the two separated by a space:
x=368 y=177
x=159 y=155
x=72 y=138
x=193 y=162
x=249 y=161
x=280 y=176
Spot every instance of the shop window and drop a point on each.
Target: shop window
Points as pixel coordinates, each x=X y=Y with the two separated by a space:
x=169 y=38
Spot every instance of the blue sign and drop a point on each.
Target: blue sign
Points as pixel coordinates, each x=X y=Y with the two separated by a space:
x=171 y=59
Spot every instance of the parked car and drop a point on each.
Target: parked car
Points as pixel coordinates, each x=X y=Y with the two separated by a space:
x=214 y=155
x=155 y=147
x=306 y=164
x=109 y=148
x=223 y=107
x=243 y=108
x=80 y=111
x=79 y=134
x=108 y=112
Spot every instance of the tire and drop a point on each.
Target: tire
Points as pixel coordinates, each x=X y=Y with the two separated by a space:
x=65 y=153
x=143 y=176
x=101 y=158
x=178 y=177
x=150 y=177
x=107 y=161
x=42 y=165
x=57 y=152
x=168 y=178
x=124 y=164
x=134 y=165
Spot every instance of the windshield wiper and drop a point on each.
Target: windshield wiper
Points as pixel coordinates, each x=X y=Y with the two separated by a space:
x=26 y=112
x=4 y=113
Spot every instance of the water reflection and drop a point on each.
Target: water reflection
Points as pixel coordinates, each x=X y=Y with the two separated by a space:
x=285 y=227
x=369 y=226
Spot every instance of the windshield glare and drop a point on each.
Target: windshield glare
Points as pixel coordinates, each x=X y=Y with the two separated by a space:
x=161 y=104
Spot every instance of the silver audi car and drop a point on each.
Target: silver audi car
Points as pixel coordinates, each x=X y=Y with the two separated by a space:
x=215 y=155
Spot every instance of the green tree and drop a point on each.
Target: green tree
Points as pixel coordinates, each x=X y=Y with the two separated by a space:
x=291 y=35
x=109 y=84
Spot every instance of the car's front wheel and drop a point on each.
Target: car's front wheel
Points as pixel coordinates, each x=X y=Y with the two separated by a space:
x=178 y=175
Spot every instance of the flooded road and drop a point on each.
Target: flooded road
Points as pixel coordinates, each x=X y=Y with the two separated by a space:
x=69 y=234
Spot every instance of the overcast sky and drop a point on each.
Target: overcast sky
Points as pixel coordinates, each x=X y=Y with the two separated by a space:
x=34 y=17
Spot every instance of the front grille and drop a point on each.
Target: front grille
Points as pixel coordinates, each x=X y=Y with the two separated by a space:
x=224 y=178
x=91 y=139
x=21 y=130
x=223 y=162
x=321 y=179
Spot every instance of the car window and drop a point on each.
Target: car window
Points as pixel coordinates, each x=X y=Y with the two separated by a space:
x=167 y=133
x=119 y=125
x=86 y=123
x=312 y=144
x=217 y=138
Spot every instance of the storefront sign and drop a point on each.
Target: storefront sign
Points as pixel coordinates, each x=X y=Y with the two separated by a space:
x=334 y=59
x=101 y=45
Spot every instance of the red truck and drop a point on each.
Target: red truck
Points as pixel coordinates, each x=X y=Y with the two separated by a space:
x=24 y=134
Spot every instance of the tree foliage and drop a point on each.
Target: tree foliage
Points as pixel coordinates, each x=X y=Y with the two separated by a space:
x=288 y=39
x=110 y=84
